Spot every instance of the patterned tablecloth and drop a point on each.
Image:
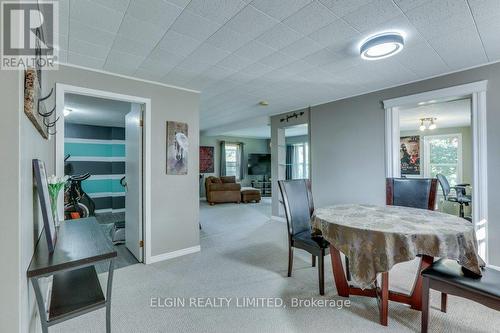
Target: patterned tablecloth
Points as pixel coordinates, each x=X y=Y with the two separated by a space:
x=375 y=238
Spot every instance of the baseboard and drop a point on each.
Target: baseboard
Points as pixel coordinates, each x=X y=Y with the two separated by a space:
x=174 y=254
x=278 y=218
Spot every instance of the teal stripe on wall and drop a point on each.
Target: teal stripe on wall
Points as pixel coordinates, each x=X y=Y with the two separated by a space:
x=90 y=149
x=102 y=185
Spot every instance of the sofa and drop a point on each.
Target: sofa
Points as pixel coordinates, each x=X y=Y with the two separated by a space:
x=222 y=189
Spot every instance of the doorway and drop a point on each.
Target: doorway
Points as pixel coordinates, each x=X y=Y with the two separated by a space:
x=458 y=152
x=104 y=135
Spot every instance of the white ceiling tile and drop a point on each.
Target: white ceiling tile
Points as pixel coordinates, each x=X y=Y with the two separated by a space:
x=277 y=60
x=82 y=60
x=142 y=31
x=195 y=66
x=123 y=59
x=136 y=47
x=441 y=17
x=297 y=67
x=180 y=3
x=177 y=43
x=488 y=29
x=155 y=65
x=118 y=5
x=119 y=69
x=208 y=53
x=219 y=11
x=302 y=48
x=194 y=26
x=485 y=9
x=338 y=35
x=372 y=14
x=154 y=12
x=322 y=57
x=61 y=42
x=310 y=18
x=149 y=75
x=90 y=34
x=88 y=49
x=422 y=60
x=179 y=76
x=343 y=7
x=217 y=73
x=254 y=50
x=161 y=55
x=406 y=5
x=228 y=39
x=235 y=62
x=461 y=50
x=257 y=69
x=251 y=21
x=63 y=19
x=279 y=36
x=280 y=9
x=96 y=15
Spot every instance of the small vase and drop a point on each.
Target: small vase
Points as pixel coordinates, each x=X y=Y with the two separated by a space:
x=53 y=206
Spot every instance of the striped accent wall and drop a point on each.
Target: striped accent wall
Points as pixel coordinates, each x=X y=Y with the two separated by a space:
x=99 y=151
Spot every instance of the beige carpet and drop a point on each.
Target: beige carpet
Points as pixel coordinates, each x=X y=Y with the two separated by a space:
x=244 y=255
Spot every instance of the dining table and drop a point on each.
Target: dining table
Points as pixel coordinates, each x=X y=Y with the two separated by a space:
x=375 y=238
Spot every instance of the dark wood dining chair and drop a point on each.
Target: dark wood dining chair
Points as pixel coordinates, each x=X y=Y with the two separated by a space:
x=299 y=207
x=411 y=192
x=447 y=276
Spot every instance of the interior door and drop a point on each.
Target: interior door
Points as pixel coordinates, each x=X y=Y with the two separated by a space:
x=133 y=179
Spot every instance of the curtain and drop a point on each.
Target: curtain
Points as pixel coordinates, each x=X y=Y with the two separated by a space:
x=222 y=168
x=241 y=158
x=290 y=155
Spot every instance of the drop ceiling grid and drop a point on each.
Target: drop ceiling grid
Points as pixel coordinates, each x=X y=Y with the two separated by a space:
x=291 y=53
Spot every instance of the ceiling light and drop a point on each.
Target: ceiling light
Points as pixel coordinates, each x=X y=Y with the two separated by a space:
x=382 y=46
x=66 y=112
x=432 y=125
x=422 y=126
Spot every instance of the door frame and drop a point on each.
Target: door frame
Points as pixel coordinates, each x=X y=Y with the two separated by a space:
x=61 y=90
x=476 y=91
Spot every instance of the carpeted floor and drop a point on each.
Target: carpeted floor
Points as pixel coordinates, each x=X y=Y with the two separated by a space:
x=244 y=254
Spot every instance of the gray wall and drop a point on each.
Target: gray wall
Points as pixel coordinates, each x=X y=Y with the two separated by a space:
x=466 y=147
x=348 y=151
x=175 y=214
x=251 y=146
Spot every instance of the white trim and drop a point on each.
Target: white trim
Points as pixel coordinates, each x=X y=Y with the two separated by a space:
x=128 y=77
x=94 y=195
x=477 y=92
x=494 y=267
x=94 y=141
x=451 y=92
x=96 y=158
x=278 y=218
x=110 y=210
x=174 y=254
x=61 y=90
x=105 y=177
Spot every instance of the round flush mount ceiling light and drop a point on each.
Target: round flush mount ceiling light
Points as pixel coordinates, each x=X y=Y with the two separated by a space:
x=382 y=46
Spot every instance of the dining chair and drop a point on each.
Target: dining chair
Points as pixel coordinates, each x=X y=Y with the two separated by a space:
x=411 y=192
x=447 y=276
x=299 y=207
x=459 y=190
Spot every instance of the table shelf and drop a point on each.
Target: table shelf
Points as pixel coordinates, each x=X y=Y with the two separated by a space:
x=75 y=291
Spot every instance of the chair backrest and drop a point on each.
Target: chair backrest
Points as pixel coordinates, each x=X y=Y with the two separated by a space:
x=411 y=192
x=298 y=204
x=444 y=185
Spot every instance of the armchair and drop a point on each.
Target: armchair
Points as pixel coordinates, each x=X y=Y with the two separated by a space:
x=223 y=189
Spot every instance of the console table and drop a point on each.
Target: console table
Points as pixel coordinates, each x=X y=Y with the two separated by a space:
x=76 y=289
x=264 y=187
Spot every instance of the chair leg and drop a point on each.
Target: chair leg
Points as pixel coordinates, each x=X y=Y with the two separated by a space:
x=425 y=305
x=290 y=260
x=321 y=272
x=347 y=271
x=444 y=302
x=313 y=258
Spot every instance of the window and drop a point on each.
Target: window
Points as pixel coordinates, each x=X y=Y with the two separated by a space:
x=233 y=160
x=443 y=154
x=300 y=161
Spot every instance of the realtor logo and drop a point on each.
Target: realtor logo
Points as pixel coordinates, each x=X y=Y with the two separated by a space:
x=28 y=34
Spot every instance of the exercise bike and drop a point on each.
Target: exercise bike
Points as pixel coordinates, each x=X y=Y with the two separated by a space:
x=77 y=203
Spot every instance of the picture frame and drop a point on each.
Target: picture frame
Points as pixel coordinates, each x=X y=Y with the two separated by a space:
x=177 y=148
x=206 y=159
x=43 y=197
x=410 y=155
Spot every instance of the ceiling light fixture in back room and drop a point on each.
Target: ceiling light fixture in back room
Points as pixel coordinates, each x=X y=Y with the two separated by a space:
x=382 y=46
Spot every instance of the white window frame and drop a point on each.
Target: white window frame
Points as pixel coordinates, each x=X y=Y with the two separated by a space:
x=427 y=154
x=238 y=160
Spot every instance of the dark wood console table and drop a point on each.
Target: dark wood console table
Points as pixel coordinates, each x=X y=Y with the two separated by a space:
x=76 y=289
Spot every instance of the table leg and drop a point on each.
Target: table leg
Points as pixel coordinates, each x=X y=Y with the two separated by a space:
x=338 y=273
x=384 y=299
x=108 y=296
x=41 y=305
